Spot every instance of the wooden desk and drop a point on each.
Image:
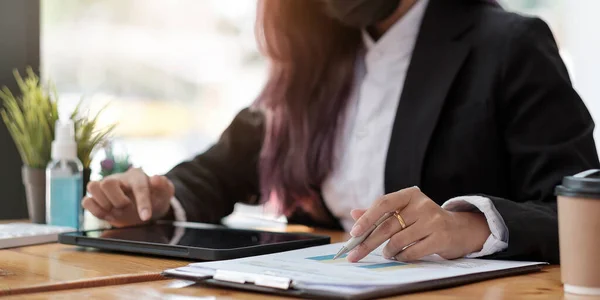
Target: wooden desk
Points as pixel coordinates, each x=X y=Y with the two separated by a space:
x=47 y=264
x=52 y=266
x=28 y=267
x=543 y=285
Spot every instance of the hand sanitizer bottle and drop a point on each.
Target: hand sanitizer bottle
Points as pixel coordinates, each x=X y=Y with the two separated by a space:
x=64 y=179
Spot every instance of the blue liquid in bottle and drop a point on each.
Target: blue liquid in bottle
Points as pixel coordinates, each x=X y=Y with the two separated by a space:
x=64 y=176
x=64 y=207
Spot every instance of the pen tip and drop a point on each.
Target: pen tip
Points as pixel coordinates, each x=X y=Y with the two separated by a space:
x=342 y=251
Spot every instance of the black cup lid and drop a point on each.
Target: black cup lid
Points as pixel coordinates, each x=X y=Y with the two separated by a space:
x=583 y=185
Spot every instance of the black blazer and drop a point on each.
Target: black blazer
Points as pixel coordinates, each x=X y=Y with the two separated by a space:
x=487 y=109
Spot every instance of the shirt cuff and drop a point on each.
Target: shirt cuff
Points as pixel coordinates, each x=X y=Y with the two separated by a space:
x=498 y=239
x=178 y=210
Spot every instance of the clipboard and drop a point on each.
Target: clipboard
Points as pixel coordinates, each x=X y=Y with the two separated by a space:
x=282 y=286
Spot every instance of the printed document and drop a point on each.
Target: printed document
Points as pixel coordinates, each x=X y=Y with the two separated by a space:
x=315 y=268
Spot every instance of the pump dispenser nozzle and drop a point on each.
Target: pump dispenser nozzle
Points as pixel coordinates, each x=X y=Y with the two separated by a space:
x=64 y=145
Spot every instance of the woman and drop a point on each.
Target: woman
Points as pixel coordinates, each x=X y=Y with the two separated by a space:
x=457 y=115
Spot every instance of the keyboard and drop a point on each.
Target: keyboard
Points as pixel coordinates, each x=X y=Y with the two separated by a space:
x=24 y=234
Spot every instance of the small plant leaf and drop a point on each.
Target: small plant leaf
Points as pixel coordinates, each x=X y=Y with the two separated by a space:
x=31 y=117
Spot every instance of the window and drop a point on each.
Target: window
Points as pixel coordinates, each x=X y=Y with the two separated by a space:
x=174 y=72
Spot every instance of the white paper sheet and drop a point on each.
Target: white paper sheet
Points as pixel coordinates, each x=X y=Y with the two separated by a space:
x=314 y=268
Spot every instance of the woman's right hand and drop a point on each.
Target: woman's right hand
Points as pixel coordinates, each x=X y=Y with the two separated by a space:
x=129 y=198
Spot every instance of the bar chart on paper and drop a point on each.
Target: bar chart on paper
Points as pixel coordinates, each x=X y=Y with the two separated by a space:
x=313 y=271
x=377 y=267
x=314 y=268
x=328 y=259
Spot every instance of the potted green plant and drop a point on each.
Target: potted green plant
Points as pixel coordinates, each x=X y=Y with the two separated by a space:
x=30 y=119
x=114 y=163
x=89 y=138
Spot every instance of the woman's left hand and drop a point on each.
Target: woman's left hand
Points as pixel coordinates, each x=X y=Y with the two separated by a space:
x=430 y=229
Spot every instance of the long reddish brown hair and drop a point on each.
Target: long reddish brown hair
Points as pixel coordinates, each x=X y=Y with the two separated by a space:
x=311 y=60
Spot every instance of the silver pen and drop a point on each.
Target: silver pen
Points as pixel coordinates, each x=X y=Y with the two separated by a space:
x=355 y=241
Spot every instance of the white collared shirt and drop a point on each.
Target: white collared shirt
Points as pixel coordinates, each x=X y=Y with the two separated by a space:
x=357 y=179
x=360 y=157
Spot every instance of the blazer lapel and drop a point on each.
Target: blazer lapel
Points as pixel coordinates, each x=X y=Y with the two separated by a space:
x=439 y=53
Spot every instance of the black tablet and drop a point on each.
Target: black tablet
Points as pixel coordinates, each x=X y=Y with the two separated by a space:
x=192 y=240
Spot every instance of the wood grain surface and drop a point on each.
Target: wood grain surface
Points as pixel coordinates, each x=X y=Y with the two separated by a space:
x=55 y=271
x=52 y=267
x=541 y=285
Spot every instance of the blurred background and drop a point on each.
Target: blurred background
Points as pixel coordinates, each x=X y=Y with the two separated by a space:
x=175 y=72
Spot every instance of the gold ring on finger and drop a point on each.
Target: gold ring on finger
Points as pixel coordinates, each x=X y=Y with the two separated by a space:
x=400 y=219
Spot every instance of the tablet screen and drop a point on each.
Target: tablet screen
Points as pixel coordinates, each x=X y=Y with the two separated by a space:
x=212 y=238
